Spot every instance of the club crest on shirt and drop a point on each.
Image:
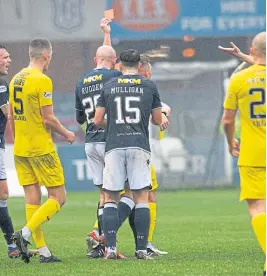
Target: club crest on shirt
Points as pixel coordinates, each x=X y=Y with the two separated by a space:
x=48 y=95
x=68 y=14
x=3 y=88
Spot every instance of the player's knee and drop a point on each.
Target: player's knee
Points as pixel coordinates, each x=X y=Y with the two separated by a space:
x=3 y=190
x=112 y=196
x=256 y=207
x=141 y=196
x=102 y=198
x=152 y=197
x=4 y=195
x=58 y=193
x=62 y=199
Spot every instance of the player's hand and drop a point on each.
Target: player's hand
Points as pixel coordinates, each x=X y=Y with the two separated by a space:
x=70 y=137
x=165 y=122
x=105 y=25
x=234 y=51
x=234 y=148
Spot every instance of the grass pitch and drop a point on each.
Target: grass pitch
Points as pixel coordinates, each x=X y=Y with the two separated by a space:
x=207 y=233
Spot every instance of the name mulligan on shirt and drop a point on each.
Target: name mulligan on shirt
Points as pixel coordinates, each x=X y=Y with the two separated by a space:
x=136 y=89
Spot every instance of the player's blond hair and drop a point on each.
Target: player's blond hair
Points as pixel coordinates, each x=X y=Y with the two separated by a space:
x=38 y=47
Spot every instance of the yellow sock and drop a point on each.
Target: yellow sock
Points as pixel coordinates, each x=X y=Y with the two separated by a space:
x=259 y=227
x=96 y=225
x=43 y=214
x=153 y=216
x=38 y=235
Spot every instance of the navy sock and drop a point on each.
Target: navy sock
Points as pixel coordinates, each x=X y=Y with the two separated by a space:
x=125 y=207
x=132 y=224
x=100 y=219
x=142 y=222
x=110 y=224
x=6 y=224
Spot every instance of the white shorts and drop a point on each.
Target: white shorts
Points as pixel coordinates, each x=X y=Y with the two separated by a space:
x=95 y=155
x=132 y=164
x=2 y=165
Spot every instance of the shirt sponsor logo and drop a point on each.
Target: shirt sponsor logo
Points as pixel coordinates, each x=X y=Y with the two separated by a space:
x=92 y=79
x=48 y=95
x=3 y=89
x=131 y=81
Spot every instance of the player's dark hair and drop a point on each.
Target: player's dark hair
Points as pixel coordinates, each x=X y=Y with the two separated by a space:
x=130 y=58
x=37 y=46
x=144 y=59
x=2 y=47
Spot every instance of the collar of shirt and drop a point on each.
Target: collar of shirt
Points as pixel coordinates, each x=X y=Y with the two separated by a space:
x=99 y=68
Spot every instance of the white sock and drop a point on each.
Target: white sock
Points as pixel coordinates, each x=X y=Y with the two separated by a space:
x=96 y=232
x=12 y=245
x=144 y=251
x=149 y=245
x=26 y=233
x=44 y=251
x=112 y=250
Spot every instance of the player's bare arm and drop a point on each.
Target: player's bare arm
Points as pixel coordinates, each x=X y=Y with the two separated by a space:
x=166 y=111
x=156 y=117
x=105 y=26
x=51 y=122
x=5 y=109
x=235 y=51
x=11 y=120
x=99 y=117
x=228 y=121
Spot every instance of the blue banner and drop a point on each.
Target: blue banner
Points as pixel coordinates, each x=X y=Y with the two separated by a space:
x=75 y=166
x=135 y=19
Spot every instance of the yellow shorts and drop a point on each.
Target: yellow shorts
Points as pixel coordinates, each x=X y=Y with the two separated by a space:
x=154 y=182
x=252 y=182
x=45 y=170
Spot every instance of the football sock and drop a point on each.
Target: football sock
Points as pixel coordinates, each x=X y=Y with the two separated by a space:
x=100 y=219
x=259 y=227
x=6 y=224
x=132 y=224
x=96 y=224
x=26 y=233
x=125 y=207
x=110 y=225
x=142 y=221
x=153 y=216
x=43 y=214
x=38 y=234
x=44 y=251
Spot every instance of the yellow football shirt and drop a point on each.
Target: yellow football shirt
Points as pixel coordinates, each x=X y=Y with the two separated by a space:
x=29 y=91
x=247 y=92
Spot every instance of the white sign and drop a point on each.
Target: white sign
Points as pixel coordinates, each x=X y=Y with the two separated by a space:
x=61 y=20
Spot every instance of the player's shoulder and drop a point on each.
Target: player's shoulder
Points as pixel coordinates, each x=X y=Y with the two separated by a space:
x=3 y=86
x=149 y=83
x=112 y=73
x=243 y=74
x=3 y=83
x=113 y=80
x=44 y=77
